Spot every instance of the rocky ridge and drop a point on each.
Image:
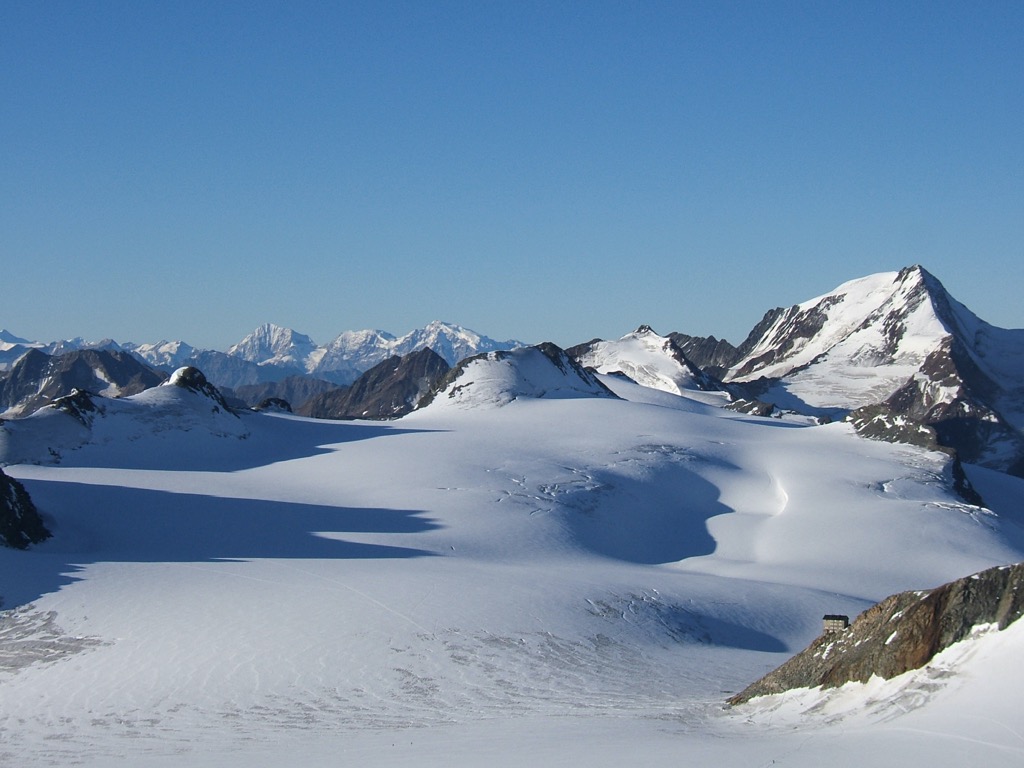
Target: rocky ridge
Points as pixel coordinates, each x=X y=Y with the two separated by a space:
x=903 y=632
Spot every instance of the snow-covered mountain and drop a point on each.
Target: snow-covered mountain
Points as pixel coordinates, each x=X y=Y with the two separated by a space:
x=899 y=347
x=273 y=345
x=494 y=379
x=648 y=359
x=180 y=410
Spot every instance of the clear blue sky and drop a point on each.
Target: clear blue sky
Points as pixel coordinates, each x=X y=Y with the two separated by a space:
x=541 y=170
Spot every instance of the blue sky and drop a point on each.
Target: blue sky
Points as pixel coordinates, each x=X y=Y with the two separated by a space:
x=543 y=171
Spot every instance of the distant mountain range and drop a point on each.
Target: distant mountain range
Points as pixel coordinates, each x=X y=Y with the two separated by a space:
x=893 y=353
x=272 y=353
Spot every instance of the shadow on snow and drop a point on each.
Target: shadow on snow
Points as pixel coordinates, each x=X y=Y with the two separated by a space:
x=105 y=523
x=272 y=439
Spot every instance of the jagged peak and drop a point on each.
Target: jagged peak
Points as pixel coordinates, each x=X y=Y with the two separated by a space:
x=272 y=334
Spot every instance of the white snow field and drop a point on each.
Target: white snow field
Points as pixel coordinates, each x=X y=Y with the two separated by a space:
x=577 y=580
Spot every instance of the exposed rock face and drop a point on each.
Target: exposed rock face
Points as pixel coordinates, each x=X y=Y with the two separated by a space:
x=712 y=355
x=388 y=390
x=901 y=633
x=274 y=404
x=752 y=407
x=80 y=405
x=883 y=423
x=20 y=523
x=37 y=379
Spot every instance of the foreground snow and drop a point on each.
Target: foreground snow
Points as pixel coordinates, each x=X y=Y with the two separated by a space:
x=549 y=581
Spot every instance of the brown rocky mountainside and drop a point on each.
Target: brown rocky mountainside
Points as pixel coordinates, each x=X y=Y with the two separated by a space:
x=901 y=633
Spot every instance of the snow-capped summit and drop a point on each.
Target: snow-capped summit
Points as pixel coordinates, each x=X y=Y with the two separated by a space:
x=898 y=340
x=886 y=324
x=494 y=379
x=273 y=345
x=648 y=359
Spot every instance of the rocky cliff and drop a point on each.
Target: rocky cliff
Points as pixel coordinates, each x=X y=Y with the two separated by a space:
x=901 y=633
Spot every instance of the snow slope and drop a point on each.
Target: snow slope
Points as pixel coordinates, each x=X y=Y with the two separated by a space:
x=557 y=580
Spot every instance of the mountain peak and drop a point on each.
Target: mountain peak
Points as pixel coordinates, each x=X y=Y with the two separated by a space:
x=648 y=359
x=494 y=379
x=193 y=380
x=274 y=344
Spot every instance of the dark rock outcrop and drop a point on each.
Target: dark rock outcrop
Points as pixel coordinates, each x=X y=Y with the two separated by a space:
x=714 y=356
x=752 y=407
x=388 y=390
x=901 y=633
x=20 y=523
x=881 y=422
x=80 y=405
x=274 y=404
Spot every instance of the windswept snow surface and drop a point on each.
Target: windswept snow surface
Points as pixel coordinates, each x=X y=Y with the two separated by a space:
x=556 y=581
